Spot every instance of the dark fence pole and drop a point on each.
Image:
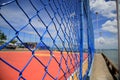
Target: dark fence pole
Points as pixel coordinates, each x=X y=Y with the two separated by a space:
x=118 y=24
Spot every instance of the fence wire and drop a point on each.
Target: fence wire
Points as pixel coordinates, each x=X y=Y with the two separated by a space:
x=44 y=39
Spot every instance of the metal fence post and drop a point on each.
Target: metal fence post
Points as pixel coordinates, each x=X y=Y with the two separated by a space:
x=118 y=25
x=81 y=38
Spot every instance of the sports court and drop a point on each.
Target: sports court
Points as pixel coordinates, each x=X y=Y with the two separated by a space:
x=35 y=70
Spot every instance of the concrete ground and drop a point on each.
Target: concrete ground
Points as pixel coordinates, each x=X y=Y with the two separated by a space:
x=100 y=70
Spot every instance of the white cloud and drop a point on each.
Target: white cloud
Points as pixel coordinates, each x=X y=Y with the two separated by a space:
x=110 y=25
x=106 y=43
x=15 y=17
x=101 y=40
x=107 y=9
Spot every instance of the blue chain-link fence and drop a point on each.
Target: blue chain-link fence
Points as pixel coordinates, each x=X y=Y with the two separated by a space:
x=45 y=39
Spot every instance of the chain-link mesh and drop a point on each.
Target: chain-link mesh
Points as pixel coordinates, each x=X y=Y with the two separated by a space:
x=43 y=39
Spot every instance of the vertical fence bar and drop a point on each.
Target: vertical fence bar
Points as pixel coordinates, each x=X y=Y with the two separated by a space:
x=90 y=35
x=81 y=39
x=118 y=25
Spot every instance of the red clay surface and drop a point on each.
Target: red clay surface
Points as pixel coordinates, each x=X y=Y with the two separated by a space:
x=35 y=70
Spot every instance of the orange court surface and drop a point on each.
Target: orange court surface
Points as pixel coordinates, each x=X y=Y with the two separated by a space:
x=36 y=70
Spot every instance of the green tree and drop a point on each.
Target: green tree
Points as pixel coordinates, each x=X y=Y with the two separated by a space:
x=2 y=37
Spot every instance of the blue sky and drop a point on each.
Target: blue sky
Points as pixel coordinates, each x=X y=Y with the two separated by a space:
x=105 y=32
